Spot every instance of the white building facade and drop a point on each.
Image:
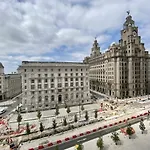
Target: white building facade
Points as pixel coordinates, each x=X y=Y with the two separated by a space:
x=45 y=84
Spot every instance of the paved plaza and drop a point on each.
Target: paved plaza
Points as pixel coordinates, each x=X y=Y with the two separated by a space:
x=139 y=142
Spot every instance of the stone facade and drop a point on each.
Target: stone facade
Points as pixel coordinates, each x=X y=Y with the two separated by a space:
x=45 y=84
x=124 y=69
x=10 y=84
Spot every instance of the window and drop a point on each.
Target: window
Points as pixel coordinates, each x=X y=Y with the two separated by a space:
x=77 y=95
x=52 y=74
x=81 y=83
x=76 y=69
x=71 y=95
x=71 y=84
x=32 y=81
x=52 y=98
x=76 y=74
x=81 y=79
x=59 y=85
x=45 y=86
x=46 y=98
x=32 y=70
x=25 y=75
x=39 y=70
x=70 y=69
x=46 y=91
x=52 y=80
x=39 y=75
x=71 y=89
x=25 y=70
x=65 y=74
x=45 y=80
x=25 y=87
x=81 y=74
x=65 y=69
x=51 y=69
x=76 y=79
x=59 y=74
x=45 y=75
x=81 y=69
x=39 y=99
x=25 y=81
x=77 y=84
x=39 y=80
x=32 y=87
x=52 y=85
x=58 y=69
x=66 y=84
x=66 y=79
x=71 y=74
x=71 y=79
x=39 y=86
x=59 y=90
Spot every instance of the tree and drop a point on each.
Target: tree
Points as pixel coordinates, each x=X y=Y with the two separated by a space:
x=41 y=127
x=100 y=143
x=56 y=148
x=54 y=124
x=115 y=137
x=39 y=115
x=28 y=130
x=19 y=118
x=82 y=107
x=57 y=110
x=68 y=110
x=79 y=147
x=64 y=122
x=142 y=126
x=129 y=131
x=86 y=115
x=75 y=118
x=95 y=114
x=65 y=105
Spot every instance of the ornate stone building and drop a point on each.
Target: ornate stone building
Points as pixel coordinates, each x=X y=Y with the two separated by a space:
x=45 y=84
x=124 y=69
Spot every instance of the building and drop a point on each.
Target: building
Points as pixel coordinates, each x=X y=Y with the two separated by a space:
x=10 y=84
x=45 y=84
x=124 y=69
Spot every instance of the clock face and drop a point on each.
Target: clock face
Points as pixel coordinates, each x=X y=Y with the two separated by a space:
x=134 y=33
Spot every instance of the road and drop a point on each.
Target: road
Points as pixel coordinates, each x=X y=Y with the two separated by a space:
x=11 y=107
x=91 y=136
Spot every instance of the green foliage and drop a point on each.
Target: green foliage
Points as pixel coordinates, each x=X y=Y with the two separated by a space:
x=129 y=130
x=57 y=110
x=68 y=110
x=65 y=105
x=75 y=118
x=86 y=115
x=39 y=115
x=115 y=137
x=100 y=143
x=142 y=126
x=28 y=129
x=82 y=107
x=56 y=148
x=41 y=127
x=64 y=122
x=19 y=118
x=80 y=147
x=95 y=113
x=54 y=124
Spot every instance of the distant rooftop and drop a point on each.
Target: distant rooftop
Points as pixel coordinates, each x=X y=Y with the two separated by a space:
x=1 y=65
x=54 y=62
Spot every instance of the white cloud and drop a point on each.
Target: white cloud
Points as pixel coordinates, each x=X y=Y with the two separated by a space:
x=32 y=28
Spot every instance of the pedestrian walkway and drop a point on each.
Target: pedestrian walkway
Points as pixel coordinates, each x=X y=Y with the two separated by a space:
x=83 y=129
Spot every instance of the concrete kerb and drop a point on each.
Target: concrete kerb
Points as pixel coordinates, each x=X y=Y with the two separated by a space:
x=91 y=131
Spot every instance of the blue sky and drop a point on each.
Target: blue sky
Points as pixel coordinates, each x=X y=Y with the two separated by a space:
x=64 y=30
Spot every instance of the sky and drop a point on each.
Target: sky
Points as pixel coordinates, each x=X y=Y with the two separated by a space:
x=64 y=30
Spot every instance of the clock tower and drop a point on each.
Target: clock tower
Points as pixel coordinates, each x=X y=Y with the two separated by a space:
x=134 y=56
